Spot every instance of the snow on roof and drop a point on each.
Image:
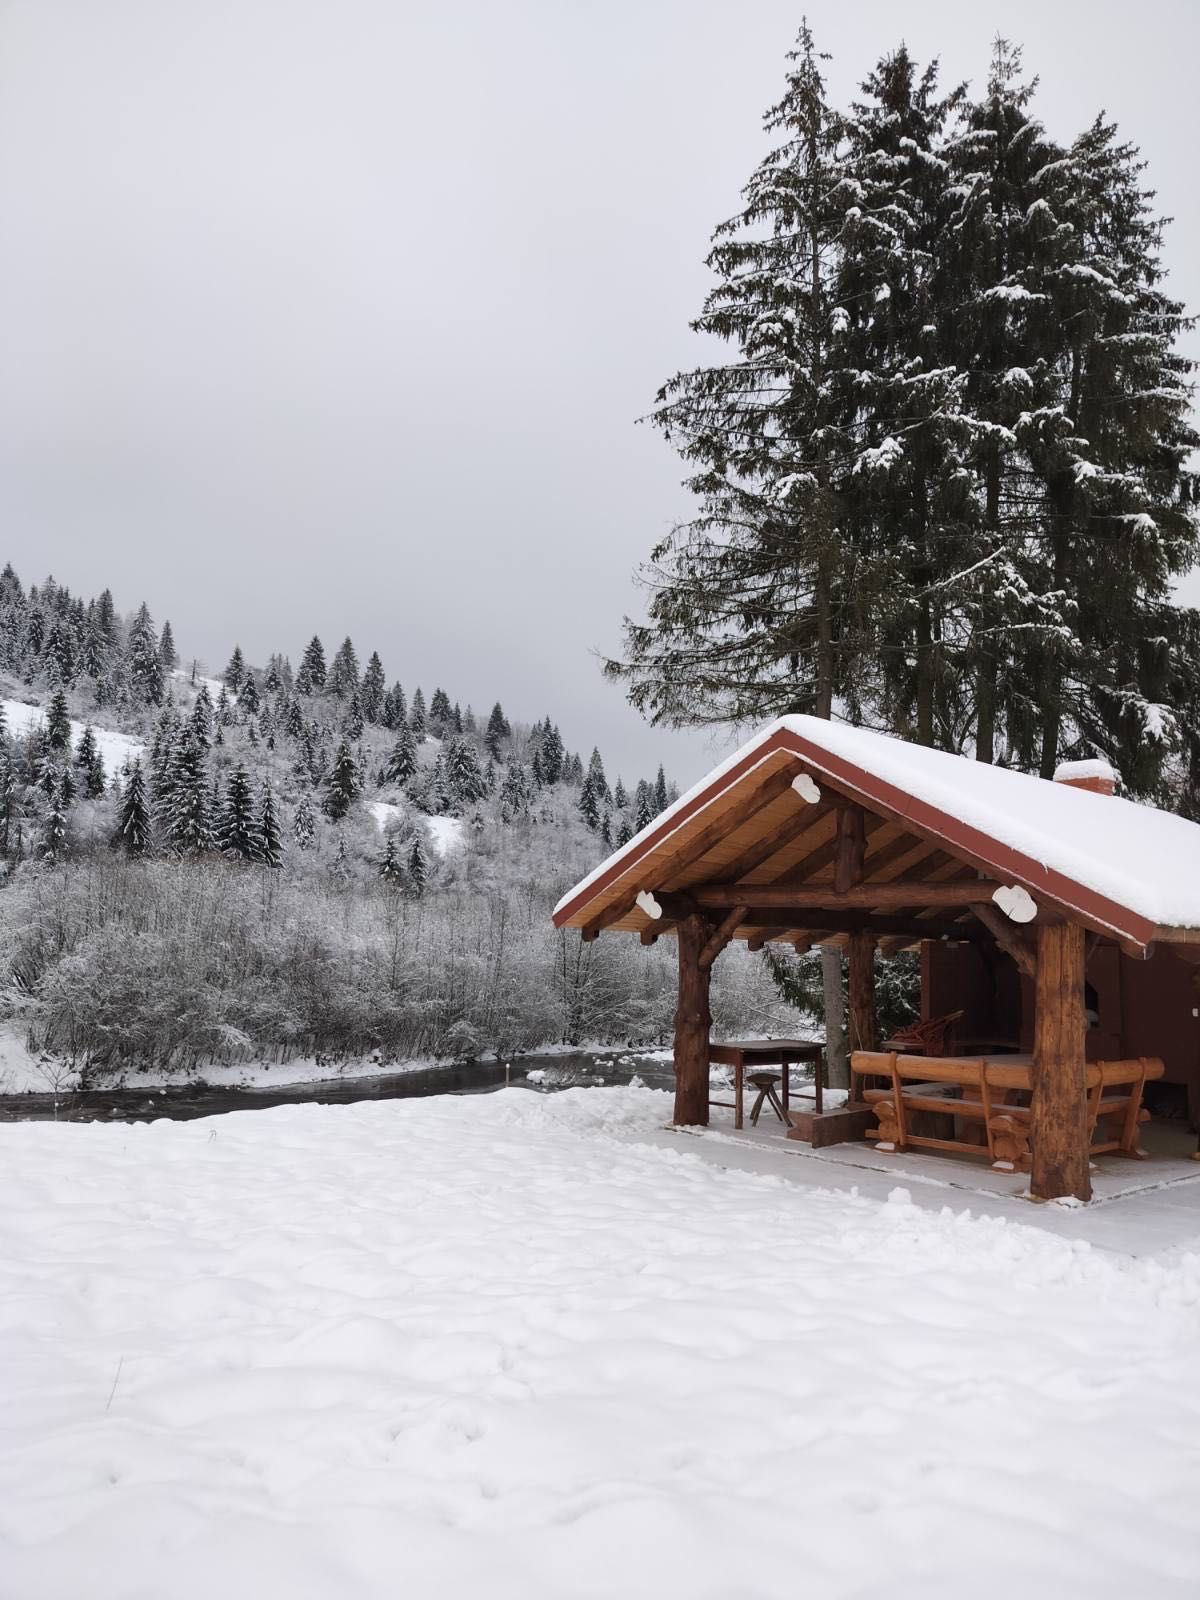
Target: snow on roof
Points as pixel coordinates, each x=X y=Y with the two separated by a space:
x=1143 y=859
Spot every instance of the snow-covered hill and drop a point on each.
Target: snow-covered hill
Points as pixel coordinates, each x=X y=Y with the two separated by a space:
x=115 y=748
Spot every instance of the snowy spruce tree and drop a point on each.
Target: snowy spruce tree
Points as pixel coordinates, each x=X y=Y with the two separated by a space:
x=390 y=870
x=417 y=867
x=516 y=793
x=235 y=672
x=58 y=723
x=497 y=732
x=237 y=832
x=311 y=677
x=464 y=781
x=371 y=690
x=343 y=670
x=440 y=713
x=89 y=764
x=304 y=823
x=344 y=784
x=270 y=832
x=183 y=799
x=755 y=601
x=144 y=661
x=402 y=762
x=133 y=833
x=53 y=842
x=940 y=473
x=167 y=652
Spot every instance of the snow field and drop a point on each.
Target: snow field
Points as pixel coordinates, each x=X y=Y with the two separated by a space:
x=445 y=832
x=497 y=1347
x=115 y=748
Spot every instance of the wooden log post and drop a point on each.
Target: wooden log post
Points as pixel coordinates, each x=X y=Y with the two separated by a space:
x=1059 y=1124
x=692 y=1022
x=850 y=850
x=864 y=1030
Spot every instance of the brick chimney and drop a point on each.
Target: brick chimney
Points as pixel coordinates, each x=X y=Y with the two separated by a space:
x=1097 y=777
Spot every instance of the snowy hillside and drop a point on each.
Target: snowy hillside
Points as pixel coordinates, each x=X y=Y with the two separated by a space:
x=116 y=749
x=414 y=849
x=494 y=1347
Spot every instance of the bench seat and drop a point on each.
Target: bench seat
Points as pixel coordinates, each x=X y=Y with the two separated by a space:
x=982 y=1092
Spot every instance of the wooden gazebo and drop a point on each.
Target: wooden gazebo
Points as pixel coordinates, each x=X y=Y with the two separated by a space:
x=815 y=832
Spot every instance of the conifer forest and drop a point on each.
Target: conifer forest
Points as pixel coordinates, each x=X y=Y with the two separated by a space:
x=303 y=860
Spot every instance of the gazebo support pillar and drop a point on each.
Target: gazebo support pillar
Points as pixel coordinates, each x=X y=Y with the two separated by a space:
x=692 y=1023
x=1059 y=1127
x=864 y=1029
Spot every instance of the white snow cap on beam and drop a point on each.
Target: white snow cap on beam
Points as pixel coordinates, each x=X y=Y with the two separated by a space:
x=806 y=788
x=647 y=903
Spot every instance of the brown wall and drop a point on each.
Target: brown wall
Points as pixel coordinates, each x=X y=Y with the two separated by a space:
x=1147 y=1008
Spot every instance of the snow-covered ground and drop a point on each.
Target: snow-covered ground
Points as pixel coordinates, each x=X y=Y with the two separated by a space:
x=385 y=813
x=498 y=1347
x=446 y=832
x=115 y=748
x=182 y=679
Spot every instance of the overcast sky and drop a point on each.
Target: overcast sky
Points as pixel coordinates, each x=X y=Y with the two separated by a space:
x=336 y=315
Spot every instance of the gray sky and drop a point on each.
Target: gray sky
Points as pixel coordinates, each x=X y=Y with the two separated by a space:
x=336 y=315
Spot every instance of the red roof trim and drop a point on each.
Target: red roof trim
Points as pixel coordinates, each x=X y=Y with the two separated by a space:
x=669 y=826
x=928 y=819
x=1009 y=863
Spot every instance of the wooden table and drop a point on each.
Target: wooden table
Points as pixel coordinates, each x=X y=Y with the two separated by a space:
x=740 y=1053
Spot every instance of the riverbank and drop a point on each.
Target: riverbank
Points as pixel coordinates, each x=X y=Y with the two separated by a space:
x=25 y=1072
x=138 y=1100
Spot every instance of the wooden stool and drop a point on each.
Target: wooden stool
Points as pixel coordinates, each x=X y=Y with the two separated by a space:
x=765 y=1083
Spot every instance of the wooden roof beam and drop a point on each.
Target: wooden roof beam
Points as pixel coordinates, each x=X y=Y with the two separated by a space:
x=865 y=896
x=1008 y=937
x=822 y=856
x=761 y=851
x=790 y=923
x=850 y=848
x=698 y=846
x=721 y=936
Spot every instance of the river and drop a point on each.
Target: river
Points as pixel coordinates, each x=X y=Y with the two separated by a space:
x=544 y=1074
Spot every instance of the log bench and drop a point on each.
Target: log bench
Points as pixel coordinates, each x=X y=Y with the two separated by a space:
x=983 y=1095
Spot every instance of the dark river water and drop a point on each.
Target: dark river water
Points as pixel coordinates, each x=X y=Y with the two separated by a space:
x=545 y=1074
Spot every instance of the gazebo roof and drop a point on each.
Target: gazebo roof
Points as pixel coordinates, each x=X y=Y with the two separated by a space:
x=932 y=820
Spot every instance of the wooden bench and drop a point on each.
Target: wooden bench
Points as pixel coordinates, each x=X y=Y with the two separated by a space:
x=983 y=1095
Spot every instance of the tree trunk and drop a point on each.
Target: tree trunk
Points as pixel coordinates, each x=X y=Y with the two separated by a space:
x=864 y=1032
x=837 y=1064
x=1062 y=504
x=1051 y=723
x=692 y=1022
x=985 y=684
x=1059 y=1128
x=985 y=710
x=925 y=675
x=823 y=706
